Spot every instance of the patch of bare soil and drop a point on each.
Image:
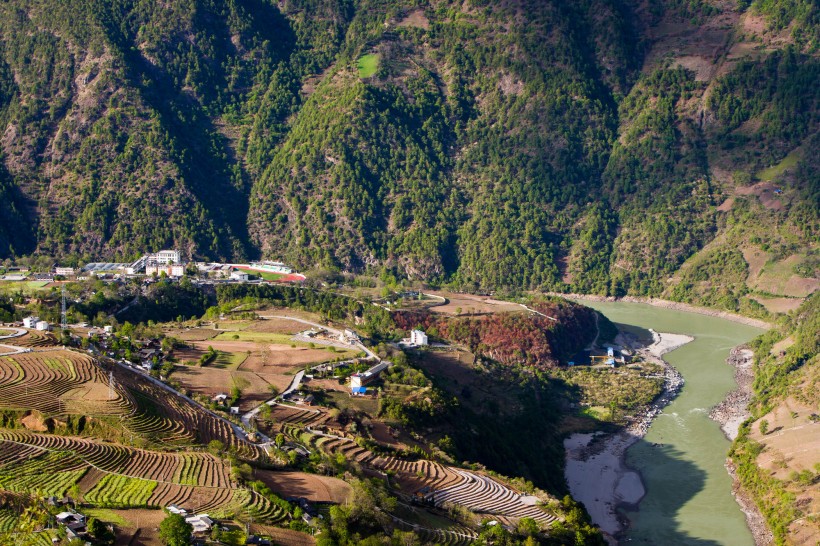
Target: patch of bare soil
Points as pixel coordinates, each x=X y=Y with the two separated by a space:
x=792 y=440
x=276 y=326
x=283 y=537
x=779 y=305
x=271 y=358
x=416 y=19
x=467 y=304
x=212 y=381
x=756 y=258
x=726 y=206
x=310 y=486
x=765 y=192
x=35 y=422
x=143 y=528
x=782 y=345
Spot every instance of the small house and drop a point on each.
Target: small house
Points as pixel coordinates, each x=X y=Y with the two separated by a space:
x=30 y=322
x=221 y=398
x=240 y=276
x=174 y=509
x=201 y=523
x=43 y=326
x=234 y=410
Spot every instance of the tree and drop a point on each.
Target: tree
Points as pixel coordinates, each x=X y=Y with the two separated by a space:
x=175 y=531
x=216 y=447
x=100 y=531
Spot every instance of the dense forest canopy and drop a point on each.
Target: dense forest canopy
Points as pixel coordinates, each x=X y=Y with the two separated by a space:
x=570 y=146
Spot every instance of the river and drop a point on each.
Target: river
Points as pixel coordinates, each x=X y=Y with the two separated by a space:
x=688 y=491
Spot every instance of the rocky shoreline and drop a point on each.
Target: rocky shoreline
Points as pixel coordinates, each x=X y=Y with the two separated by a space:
x=596 y=469
x=730 y=414
x=666 y=304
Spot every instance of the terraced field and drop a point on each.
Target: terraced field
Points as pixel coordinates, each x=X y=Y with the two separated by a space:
x=442 y=485
x=61 y=382
x=57 y=383
x=114 y=476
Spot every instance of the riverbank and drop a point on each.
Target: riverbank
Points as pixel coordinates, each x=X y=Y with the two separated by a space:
x=596 y=470
x=674 y=305
x=730 y=414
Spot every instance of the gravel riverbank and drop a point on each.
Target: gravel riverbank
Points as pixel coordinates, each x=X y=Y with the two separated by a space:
x=666 y=304
x=730 y=414
x=596 y=471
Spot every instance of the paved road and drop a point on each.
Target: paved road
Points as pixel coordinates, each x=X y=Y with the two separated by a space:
x=13 y=350
x=294 y=385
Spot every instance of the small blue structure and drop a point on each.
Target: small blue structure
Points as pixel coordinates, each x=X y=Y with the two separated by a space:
x=358 y=390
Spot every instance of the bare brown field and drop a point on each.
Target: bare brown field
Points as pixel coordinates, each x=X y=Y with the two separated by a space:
x=756 y=258
x=329 y=385
x=273 y=358
x=415 y=19
x=470 y=304
x=212 y=381
x=310 y=486
x=284 y=537
x=277 y=326
x=793 y=441
x=142 y=527
x=779 y=305
x=782 y=345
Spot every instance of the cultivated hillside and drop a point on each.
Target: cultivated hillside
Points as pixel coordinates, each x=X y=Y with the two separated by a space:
x=605 y=146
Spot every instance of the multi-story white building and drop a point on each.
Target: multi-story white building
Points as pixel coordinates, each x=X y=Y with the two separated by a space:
x=166 y=257
x=418 y=338
x=64 y=271
x=30 y=322
x=168 y=269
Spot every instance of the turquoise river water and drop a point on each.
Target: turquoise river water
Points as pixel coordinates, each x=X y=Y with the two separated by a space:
x=681 y=459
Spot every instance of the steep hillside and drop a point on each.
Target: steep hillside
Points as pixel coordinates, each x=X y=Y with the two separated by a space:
x=778 y=452
x=597 y=146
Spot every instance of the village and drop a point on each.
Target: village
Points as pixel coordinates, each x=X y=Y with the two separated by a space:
x=306 y=393
x=164 y=263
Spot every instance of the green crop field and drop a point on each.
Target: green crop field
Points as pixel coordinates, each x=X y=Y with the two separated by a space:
x=368 y=64
x=788 y=162
x=230 y=361
x=121 y=492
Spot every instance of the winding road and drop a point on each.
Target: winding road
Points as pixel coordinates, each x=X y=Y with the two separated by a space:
x=13 y=350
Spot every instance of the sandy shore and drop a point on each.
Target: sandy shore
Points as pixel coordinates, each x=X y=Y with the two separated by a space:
x=666 y=304
x=730 y=414
x=595 y=469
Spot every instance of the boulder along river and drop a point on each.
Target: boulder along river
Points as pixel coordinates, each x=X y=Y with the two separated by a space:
x=664 y=480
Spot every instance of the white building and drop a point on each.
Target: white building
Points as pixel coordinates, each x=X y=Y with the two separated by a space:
x=43 y=326
x=31 y=322
x=174 y=509
x=201 y=523
x=361 y=379
x=239 y=276
x=418 y=338
x=166 y=257
x=64 y=271
x=170 y=270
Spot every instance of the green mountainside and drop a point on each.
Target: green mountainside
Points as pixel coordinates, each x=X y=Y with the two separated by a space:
x=605 y=146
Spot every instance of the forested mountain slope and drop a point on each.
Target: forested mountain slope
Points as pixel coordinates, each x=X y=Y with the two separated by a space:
x=608 y=146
